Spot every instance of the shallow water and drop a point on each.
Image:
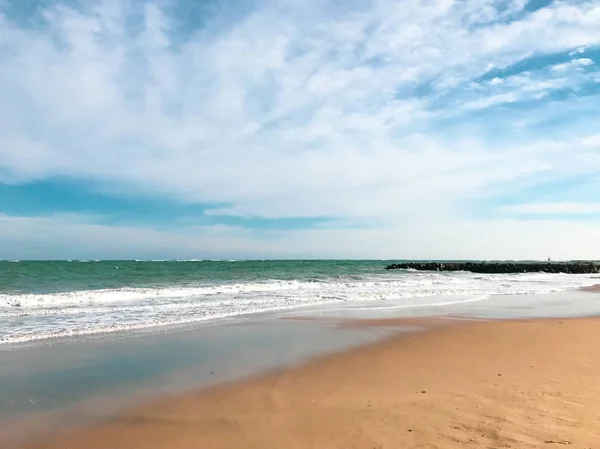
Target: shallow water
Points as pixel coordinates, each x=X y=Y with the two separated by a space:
x=560 y=304
x=62 y=383
x=42 y=300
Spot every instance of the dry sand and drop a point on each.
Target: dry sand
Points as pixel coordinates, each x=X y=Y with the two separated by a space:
x=519 y=384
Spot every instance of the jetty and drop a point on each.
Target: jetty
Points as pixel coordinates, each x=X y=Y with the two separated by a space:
x=569 y=267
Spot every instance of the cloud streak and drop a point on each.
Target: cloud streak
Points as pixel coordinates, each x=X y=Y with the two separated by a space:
x=365 y=113
x=554 y=208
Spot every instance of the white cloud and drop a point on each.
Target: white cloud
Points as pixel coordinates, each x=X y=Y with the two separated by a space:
x=495 y=100
x=77 y=238
x=554 y=208
x=573 y=64
x=291 y=109
x=531 y=85
x=592 y=141
x=577 y=51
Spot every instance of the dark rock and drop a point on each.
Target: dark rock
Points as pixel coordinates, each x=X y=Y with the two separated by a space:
x=576 y=267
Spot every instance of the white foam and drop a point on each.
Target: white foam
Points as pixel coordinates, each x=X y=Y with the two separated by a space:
x=25 y=317
x=85 y=297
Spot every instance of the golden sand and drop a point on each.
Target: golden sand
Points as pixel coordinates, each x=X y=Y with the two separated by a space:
x=509 y=384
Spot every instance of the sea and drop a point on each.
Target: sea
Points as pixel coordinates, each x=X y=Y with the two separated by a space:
x=41 y=300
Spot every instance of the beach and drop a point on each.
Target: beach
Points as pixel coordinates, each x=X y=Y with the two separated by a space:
x=491 y=383
x=322 y=354
x=299 y=224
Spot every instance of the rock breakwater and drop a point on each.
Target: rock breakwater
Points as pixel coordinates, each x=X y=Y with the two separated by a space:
x=575 y=267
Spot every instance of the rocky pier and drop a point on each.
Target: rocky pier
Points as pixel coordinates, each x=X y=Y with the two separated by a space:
x=573 y=267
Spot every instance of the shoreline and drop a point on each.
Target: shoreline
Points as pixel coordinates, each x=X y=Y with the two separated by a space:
x=74 y=383
x=233 y=320
x=472 y=383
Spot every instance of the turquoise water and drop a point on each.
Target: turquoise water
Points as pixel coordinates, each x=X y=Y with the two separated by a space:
x=64 y=276
x=41 y=300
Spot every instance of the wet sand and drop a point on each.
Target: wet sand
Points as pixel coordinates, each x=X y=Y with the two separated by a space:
x=63 y=384
x=470 y=384
x=592 y=288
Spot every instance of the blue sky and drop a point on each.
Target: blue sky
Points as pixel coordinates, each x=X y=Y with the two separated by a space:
x=384 y=129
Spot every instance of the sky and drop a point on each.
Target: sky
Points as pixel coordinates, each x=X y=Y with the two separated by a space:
x=413 y=129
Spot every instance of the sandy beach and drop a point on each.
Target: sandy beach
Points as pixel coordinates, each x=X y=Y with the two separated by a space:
x=472 y=384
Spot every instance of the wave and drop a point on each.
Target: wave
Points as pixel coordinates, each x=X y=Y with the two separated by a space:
x=350 y=287
x=84 y=297
x=25 y=317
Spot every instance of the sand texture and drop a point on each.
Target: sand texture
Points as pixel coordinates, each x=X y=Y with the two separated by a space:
x=512 y=384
